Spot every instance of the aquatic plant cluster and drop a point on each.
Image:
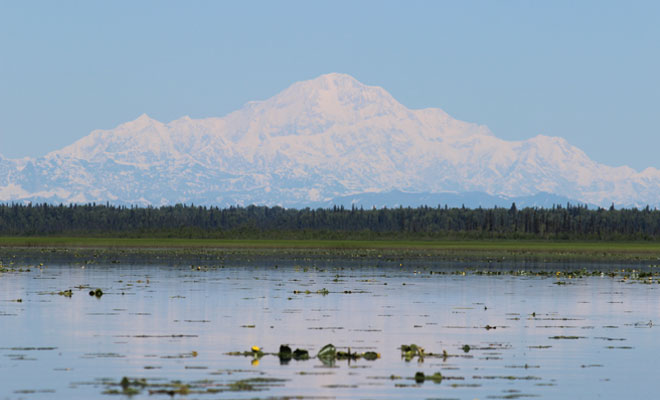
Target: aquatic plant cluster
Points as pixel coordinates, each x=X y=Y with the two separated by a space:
x=328 y=354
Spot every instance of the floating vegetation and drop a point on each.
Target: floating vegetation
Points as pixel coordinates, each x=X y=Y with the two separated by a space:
x=33 y=391
x=566 y=337
x=509 y=378
x=96 y=293
x=249 y=353
x=526 y=366
x=285 y=354
x=420 y=377
x=103 y=355
x=328 y=354
x=609 y=339
x=513 y=396
x=159 y=336
x=28 y=348
x=323 y=292
x=135 y=386
x=410 y=351
x=191 y=354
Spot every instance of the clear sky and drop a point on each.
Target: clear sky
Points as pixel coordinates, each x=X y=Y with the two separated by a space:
x=588 y=71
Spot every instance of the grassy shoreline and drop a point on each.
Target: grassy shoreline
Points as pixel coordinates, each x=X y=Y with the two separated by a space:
x=598 y=249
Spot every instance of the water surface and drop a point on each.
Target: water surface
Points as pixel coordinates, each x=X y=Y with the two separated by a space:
x=168 y=326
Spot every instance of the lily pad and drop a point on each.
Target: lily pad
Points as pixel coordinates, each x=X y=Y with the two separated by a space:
x=300 y=354
x=328 y=352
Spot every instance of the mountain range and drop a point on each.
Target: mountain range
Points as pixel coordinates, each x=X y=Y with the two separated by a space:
x=329 y=140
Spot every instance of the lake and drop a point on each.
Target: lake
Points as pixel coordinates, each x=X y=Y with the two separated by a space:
x=185 y=326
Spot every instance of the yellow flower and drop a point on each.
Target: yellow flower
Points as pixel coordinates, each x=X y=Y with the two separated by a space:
x=255 y=348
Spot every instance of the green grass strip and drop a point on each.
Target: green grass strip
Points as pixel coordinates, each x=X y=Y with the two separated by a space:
x=438 y=245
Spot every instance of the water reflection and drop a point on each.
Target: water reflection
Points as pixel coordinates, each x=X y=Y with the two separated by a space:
x=486 y=336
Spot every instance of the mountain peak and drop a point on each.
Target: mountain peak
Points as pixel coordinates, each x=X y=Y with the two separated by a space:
x=333 y=97
x=338 y=83
x=144 y=119
x=140 y=123
x=337 y=80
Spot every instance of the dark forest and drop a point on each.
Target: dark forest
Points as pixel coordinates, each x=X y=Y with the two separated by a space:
x=188 y=221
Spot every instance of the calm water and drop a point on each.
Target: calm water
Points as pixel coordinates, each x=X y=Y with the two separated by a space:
x=170 y=325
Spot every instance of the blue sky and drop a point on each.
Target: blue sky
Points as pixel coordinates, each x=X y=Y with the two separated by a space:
x=584 y=70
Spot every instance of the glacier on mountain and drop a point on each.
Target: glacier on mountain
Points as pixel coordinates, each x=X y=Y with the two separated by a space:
x=317 y=141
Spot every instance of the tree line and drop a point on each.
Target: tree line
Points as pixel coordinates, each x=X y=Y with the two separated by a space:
x=189 y=221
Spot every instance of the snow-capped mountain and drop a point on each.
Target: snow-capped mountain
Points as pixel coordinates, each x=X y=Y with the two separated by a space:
x=327 y=138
